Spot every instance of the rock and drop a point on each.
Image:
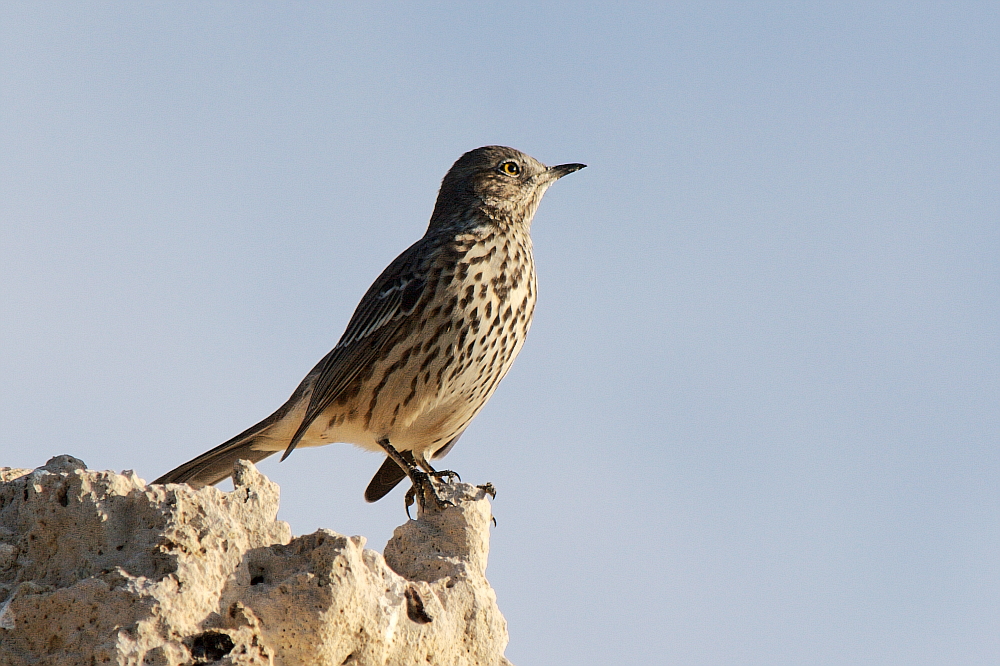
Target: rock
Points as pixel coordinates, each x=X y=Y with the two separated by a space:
x=100 y=568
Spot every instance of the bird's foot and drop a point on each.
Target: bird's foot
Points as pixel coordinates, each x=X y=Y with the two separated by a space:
x=423 y=491
x=446 y=475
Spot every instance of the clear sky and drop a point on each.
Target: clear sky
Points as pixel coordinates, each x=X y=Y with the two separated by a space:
x=756 y=420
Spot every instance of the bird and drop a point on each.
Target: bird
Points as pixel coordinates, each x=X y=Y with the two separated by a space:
x=429 y=342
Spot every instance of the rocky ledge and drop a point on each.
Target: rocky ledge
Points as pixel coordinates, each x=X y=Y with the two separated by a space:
x=101 y=568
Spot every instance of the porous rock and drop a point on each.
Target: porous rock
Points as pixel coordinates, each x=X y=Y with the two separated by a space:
x=100 y=568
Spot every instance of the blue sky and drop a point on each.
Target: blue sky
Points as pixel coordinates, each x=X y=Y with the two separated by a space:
x=755 y=421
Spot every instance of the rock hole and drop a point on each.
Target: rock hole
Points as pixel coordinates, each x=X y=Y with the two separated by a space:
x=63 y=497
x=210 y=646
x=415 y=607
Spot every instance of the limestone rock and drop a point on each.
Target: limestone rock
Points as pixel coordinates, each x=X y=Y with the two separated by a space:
x=99 y=568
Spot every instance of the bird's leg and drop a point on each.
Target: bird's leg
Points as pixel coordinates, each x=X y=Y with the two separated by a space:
x=445 y=474
x=420 y=479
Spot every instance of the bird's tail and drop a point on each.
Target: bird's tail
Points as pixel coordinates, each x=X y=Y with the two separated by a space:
x=213 y=466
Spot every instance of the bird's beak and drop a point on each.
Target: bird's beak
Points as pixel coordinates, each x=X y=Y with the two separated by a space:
x=557 y=172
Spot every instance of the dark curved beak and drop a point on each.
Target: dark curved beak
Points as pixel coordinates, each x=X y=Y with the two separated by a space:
x=564 y=170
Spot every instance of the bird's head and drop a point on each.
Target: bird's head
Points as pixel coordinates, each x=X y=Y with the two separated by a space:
x=496 y=184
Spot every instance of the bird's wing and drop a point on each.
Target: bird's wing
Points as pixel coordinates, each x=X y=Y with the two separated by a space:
x=443 y=451
x=386 y=305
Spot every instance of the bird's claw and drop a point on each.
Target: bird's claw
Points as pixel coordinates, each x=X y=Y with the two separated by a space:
x=424 y=482
x=488 y=489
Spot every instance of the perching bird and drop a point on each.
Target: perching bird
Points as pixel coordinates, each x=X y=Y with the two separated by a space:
x=428 y=343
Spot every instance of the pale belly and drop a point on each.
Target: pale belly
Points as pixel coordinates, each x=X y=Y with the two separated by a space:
x=427 y=403
x=431 y=397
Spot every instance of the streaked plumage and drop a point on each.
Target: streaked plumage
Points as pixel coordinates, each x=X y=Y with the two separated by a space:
x=430 y=340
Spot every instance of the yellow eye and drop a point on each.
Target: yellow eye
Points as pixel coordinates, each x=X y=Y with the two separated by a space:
x=510 y=168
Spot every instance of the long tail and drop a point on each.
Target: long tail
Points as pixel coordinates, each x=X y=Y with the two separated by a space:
x=386 y=478
x=213 y=466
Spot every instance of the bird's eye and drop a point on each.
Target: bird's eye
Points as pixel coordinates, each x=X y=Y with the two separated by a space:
x=510 y=168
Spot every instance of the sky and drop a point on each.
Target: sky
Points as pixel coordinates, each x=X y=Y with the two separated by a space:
x=756 y=419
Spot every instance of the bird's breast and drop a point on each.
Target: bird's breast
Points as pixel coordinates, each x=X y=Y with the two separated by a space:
x=463 y=340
